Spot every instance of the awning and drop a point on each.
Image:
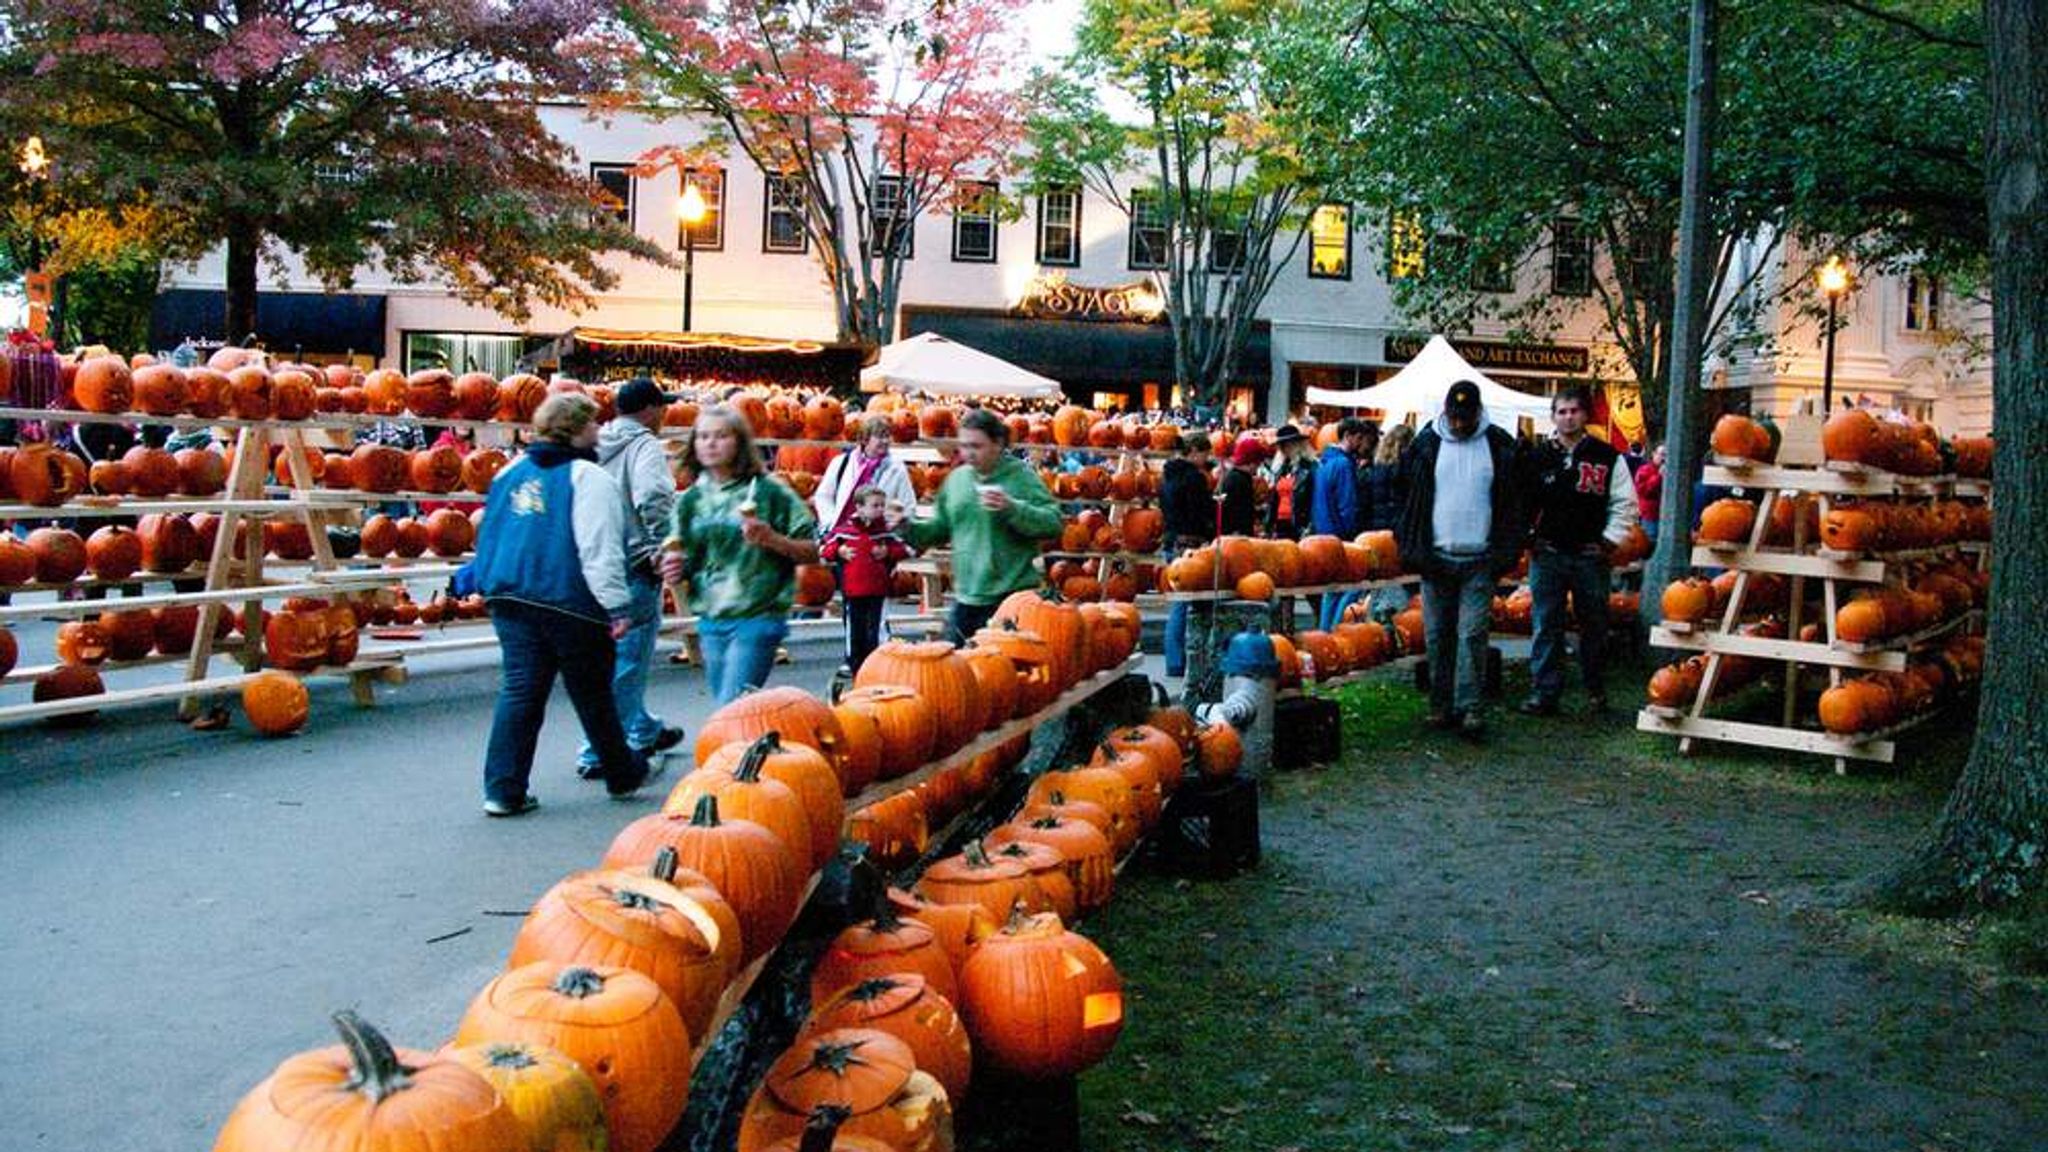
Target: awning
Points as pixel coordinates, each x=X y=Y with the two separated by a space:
x=1419 y=388
x=704 y=357
x=288 y=323
x=931 y=364
x=1081 y=354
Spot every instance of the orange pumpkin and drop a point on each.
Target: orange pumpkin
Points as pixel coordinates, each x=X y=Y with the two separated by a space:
x=975 y=877
x=1687 y=600
x=894 y=831
x=757 y=873
x=613 y=1022
x=908 y=1006
x=1059 y=624
x=104 y=384
x=338 y=1097
x=1040 y=1001
x=866 y=1075
x=1219 y=751
x=883 y=946
x=1728 y=520
x=795 y=715
x=554 y=1100
x=938 y=673
x=802 y=770
x=995 y=677
x=60 y=555
x=276 y=703
x=113 y=552
x=1087 y=855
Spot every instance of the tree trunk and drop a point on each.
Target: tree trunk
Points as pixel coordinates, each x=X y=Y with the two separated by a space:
x=1988 y=845
x=244 y=238
x=1684 y=409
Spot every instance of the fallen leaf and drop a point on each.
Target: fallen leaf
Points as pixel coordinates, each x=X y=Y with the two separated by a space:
x=1780 y=1044
x=1230 y=1109
x=1492 y=970
x=1564 y=1085
x=1758 y=896
x=1139 y=1116
x=1633 y=1000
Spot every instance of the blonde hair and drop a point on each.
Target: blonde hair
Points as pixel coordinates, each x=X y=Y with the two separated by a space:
x=563 y=415
x=1393 y=444
x=746 y=458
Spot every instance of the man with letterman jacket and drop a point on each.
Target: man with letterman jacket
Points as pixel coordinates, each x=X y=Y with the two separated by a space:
x=1582 y=504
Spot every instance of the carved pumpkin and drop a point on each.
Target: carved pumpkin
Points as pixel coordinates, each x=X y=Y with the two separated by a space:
x=895 y=831
x=739 y=773
x=1728 y=520
x=104 y=384
x=296 y=638
x=1085 y=852
x=910 y=1007
x=939 y=674
x=975 y=877
x=371 y=1097
x=1853 y=436
x=1687 y=600
x=795 y=715
x=276 y=703
x=206 y=392
x=756 y=872
x=60 y=555
x=554 y=1100
x=869 y=1075
x=436 y=469
x=17 y=560
x=249 y=393
x=45 y=477
x=995 y=678
x=1040 y=1001
x=1218 y=751
x=160 y=389
x=480 y=467
x=1059 y=624
x=883 y=946
x=449 y=532
x=667 y=923
x=613 y=1022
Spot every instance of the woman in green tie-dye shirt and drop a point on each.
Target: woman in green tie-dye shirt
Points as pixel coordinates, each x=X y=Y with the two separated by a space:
x=736 y=537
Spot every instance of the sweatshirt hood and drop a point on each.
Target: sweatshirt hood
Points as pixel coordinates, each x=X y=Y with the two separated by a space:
x=614 y=437
x=1442 y=424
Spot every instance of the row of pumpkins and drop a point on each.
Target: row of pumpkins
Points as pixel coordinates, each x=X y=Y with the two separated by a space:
x=1515 y=613
x=1932 y=593
x=1848 y=526
x=618 y=973
x=1357 y=643
x=1879 y=700
x=1890 y=441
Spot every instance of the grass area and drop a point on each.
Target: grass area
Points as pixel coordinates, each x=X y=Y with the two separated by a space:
x=1564 y=936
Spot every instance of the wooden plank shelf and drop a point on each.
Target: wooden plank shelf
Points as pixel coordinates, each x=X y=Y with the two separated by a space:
x=73 y=609
x=25 y=675
x=356 y=496
x=1283 y=593
x=1791 y=651
x=1787 y=563
x=105 y=506
x=90 y=583
x=882 y=790
x=1868 y=746
x=1902 y=644
x=1898 y=556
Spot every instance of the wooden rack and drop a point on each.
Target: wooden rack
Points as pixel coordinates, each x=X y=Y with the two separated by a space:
x=1803 y=561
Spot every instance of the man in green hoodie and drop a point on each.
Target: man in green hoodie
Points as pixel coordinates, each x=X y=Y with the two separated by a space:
x=994 y=511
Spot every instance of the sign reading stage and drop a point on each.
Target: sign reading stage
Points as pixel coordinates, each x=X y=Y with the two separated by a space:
x=1051 y=297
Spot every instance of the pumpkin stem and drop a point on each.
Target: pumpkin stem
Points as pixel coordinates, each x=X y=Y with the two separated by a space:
x=508 y=1056
x=838 y=1059
x=664 y=866
x=637 y=901
x=887 y=918
x=1019 y=916
x=706 y=815
x=749 y=770
x=873 y=989
x=977 y=856
x=821 y=1131
x=374 y=1069
x=578 y=982
x=1047 y=821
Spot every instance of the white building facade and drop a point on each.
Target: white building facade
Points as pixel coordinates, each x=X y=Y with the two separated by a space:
x=1329 y=320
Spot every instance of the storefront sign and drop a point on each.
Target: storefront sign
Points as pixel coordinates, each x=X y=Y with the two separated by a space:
x=1051 y=297
x=1485 y=354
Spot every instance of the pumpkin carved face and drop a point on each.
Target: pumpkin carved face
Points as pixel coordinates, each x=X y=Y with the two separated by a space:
x=555 y=1102
x=869 y=1074
x=906 y=1006
x=1039 y=1000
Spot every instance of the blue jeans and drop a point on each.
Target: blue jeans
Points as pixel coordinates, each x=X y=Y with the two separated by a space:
x=1457 y=613
x=535 y=644
x=1177 y=638
x=1551 y=576
x=629 y=670
x=963 y=620
x=738 y=652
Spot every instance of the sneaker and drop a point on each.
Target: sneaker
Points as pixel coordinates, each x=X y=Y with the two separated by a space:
x=782 y=655
x=649 y=771
x=669 y=738
x=1537 y=706
x=1473 y=724
x=521 y=807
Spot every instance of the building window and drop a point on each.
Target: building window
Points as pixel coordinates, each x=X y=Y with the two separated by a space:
x=709 y=233
x=1059 y=227
x=1923 y=302
x=1492 y=273
x=1649 y=257
x=782 y=216
x=1407 y=246
x=1571 y=258
x=1329 y=243
x=1149 y=231
x=1226 y=247
x=615 y=191
x=895 y=230
x=463 y=352
x=974 y=224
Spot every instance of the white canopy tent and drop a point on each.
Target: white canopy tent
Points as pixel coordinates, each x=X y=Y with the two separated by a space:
x=1419 y=388
x=932 y=364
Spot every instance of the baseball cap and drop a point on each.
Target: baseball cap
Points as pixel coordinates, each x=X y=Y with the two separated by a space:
x=637 y=394
x=1463 y=397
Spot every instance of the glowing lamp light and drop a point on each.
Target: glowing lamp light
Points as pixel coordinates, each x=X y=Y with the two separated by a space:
x=34 y=161
x=691 y=208
x=1834 y=276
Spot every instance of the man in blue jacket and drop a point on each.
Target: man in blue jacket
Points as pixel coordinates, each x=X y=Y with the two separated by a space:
x=1336 y=508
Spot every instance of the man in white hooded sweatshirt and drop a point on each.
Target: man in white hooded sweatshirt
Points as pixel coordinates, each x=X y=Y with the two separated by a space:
x=1462 y=530
x=630 y=449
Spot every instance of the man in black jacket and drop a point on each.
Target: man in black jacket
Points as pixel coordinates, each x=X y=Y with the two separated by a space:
x=1583 y=503
x=1188 y=508
x=1461 y=530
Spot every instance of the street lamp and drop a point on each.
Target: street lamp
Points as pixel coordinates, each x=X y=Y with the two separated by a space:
x=690 y=211
x=1834 y=281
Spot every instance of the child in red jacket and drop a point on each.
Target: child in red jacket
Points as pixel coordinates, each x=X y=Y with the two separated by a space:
x=864 y=553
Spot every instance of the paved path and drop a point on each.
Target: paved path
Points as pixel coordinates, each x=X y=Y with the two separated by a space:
x=185 y=908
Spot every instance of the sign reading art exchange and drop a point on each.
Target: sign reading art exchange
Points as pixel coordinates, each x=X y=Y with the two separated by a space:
x=1052 y=297
x=1484 y=354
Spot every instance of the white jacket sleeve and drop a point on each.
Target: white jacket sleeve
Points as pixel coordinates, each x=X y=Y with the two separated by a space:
x=598 y=517
x=1621 y=503
x=654 y=489
x=895 y=481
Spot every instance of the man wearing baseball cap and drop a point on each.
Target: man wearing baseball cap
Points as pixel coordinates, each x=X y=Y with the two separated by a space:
x=1462 y=531
x=630 y=449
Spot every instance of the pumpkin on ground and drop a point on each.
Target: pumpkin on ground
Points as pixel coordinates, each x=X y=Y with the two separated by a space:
x=1040 y=1001
x=276 y=703
x=613 y=1022
x=370 y=1097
